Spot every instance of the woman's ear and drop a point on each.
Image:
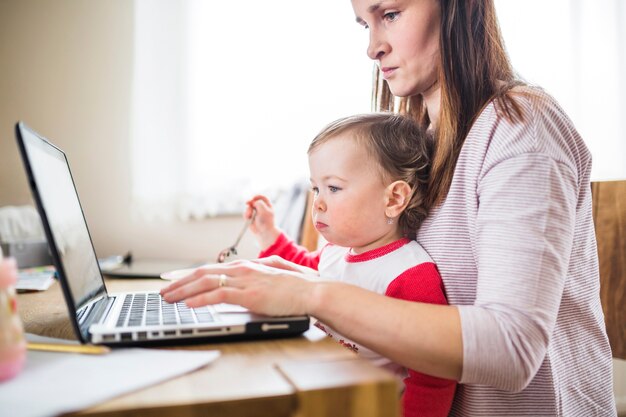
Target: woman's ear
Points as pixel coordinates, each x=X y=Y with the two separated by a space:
x=398 y=195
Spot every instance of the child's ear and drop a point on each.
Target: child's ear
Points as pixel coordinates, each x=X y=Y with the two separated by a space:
x=398 y=194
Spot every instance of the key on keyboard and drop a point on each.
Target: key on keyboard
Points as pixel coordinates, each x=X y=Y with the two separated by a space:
x=152 y=310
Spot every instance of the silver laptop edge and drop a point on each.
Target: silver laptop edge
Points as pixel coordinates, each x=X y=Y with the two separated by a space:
x=95 y=313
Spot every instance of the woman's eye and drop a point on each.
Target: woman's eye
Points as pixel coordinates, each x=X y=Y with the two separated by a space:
x=333 y=189
x=391 y=16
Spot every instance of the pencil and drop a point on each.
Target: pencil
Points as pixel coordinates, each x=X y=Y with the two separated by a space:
x=86 y=349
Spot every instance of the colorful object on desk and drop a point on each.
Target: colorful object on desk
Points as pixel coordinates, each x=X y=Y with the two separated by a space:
x=12 y=342
x=35 y=279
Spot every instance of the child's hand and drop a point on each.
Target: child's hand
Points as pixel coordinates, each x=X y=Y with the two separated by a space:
x=263 y=226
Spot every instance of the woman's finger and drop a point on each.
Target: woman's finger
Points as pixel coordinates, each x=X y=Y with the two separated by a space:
x=205 y=283
x=193 y=275
x=274 y=261
x=214 y=269
x=227 y=295
x=277 y=262
x=208 y=273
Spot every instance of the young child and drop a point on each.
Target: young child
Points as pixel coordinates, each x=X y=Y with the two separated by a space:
x=369 y=176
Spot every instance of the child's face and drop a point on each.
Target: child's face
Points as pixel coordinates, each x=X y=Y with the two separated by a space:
x=350 y=200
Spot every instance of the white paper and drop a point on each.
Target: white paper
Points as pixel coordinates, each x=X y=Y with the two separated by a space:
x=54 y=383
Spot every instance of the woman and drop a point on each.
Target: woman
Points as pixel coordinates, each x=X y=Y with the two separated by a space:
x=511 y=230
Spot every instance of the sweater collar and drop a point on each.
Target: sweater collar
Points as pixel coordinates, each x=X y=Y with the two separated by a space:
x=376 y=253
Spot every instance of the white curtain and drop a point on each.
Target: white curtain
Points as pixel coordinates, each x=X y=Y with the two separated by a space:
x=227 y=99
x=576 y=51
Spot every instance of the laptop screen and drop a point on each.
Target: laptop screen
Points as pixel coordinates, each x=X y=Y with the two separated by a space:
x=53 y=187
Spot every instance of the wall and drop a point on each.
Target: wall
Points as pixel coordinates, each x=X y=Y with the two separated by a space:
x=65 y=69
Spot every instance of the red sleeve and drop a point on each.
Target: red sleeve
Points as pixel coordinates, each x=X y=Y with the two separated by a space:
x=424 y=395
x=420 y=283
x=287 y=249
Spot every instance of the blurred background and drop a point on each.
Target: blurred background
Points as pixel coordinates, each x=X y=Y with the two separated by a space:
x=173 y=113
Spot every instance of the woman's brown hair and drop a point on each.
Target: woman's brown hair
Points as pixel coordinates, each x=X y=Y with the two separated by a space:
x=402 y=151
x=474 y=69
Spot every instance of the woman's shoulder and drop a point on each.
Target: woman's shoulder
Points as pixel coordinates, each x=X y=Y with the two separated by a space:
x=528 y=120
x=535 y=101
x=525 y=106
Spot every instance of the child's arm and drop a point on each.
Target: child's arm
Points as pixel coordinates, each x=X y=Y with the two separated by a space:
x=263 y=226
x=289 y=250
x=271 y=239
x=421 y=283
x=424 y=395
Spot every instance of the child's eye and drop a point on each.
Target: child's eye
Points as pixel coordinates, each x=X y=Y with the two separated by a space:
x=315 y=190
x=333 y=189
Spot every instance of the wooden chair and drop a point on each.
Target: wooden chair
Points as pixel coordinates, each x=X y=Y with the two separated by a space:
x=609 y=216
x=309 y=236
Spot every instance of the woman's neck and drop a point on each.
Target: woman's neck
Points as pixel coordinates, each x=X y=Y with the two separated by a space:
x=432 y=101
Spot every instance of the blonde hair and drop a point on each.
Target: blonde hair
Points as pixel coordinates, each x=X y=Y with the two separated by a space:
x=401 y=149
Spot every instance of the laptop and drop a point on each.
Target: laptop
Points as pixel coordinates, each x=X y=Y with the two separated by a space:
x=123 y=319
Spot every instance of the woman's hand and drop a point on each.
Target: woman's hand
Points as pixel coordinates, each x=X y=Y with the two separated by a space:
x=424 y=337
x=260 y=288
x=276 y=261
x=263 y=226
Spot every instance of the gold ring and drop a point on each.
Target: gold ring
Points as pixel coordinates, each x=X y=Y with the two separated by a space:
x=222 y=280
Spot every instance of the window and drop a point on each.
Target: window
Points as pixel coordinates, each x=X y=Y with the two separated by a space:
x=227 y=98
x=576 y=51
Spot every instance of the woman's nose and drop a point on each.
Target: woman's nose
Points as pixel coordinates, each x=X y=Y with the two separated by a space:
x=377 y=47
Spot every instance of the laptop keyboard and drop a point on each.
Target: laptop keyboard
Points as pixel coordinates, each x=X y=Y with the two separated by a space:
x=149 y=309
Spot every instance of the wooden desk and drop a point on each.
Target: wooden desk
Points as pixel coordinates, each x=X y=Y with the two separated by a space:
x=301 y=377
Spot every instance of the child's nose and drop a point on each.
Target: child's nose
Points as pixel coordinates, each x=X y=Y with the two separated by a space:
x=319 y=204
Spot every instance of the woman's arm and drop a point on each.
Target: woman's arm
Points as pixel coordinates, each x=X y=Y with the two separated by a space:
x=524 y=234
x=499 y=341
x=423 y=337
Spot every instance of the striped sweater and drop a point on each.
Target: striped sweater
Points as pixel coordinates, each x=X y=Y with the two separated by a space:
x=515 y=245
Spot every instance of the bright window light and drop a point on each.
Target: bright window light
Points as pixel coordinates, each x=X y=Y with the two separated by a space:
x=227 y=99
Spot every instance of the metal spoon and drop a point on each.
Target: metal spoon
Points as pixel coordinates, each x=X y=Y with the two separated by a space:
x=232 y=250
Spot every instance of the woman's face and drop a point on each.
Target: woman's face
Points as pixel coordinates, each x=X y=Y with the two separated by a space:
x=404 y=40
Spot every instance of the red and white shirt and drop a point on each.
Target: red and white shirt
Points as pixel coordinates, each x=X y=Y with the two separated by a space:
x=401 y=269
